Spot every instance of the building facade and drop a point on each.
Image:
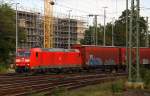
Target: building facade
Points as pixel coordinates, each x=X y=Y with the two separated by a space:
x=32 y=23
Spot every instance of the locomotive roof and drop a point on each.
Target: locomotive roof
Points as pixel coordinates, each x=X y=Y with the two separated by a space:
x=59 y=50
x=101 y=46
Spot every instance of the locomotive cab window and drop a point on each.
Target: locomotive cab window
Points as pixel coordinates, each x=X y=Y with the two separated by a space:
x=37 y=55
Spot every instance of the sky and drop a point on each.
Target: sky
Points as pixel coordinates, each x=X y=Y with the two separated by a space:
x=84 y=7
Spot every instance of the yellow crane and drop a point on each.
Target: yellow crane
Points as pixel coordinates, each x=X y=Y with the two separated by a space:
x=48 y=24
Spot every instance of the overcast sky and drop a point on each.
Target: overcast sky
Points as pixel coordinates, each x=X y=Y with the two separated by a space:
x=85 y=7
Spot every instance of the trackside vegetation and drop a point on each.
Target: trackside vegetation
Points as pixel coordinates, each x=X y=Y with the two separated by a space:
x=145 y=74
x=8 y=33
x=115 y=88
x=106 y=89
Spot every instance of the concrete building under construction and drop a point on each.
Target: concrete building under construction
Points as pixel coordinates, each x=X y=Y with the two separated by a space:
x=32 y=23
x=61 y=31
x=33 y=26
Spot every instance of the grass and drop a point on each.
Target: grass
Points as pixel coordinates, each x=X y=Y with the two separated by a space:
x=3 y=68
x=105 y=89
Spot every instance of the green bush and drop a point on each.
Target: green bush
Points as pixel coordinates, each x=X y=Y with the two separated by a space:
x=3 y=68
x=117 y=87
x=145 y=74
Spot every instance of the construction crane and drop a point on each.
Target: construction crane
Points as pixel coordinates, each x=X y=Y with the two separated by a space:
x=48 y=24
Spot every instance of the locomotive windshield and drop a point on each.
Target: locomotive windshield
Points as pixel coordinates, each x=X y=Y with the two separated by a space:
x=27 y=54
x=23 y=54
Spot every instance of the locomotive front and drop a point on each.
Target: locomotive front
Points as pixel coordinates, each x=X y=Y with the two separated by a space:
x=22 y=61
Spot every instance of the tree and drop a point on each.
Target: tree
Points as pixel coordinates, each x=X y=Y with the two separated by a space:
x=89 y=37
x=88 y=40
x=120 y=29
x=7 y=32
x=109 y=34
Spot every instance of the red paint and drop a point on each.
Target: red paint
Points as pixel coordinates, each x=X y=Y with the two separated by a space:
x=53 y=59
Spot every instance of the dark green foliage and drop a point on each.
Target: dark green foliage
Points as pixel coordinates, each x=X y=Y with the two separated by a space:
x=3 y=68
x=119 y=32
x=120 y=29
x=145 y=73
x=117 y=87
x=88 y=40
x=90 y=36
x=7 y=33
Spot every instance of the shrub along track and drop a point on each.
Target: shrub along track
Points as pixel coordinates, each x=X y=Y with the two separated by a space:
x=23 y=86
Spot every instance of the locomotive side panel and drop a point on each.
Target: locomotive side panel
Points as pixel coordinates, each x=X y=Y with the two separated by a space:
x=35 y=58
x=50 y=59
x=47 y=59
x=73 y=59
x=59 y=59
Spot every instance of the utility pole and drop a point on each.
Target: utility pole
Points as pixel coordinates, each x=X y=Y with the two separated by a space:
x=104 y=41
x=69 y=33
x=117 y=7
x=95 y=35
x=147 y=33
x=127 y=36
x=16 y=27
x=113 y=31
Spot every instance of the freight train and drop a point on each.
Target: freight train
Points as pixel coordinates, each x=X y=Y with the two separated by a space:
x=78 y=58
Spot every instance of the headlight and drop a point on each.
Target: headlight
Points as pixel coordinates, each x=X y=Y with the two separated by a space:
x=18 y=60
x=27 y=60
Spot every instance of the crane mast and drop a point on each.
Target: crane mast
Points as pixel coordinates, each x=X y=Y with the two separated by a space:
x=48 y=23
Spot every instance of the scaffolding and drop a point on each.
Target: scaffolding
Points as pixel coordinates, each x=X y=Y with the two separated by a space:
x=32 y=25
x=61 y=31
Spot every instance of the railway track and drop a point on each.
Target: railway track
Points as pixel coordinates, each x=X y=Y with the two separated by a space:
x=23 y=86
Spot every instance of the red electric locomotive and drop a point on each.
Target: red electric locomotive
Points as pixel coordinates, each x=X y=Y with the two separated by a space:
x=49 y=59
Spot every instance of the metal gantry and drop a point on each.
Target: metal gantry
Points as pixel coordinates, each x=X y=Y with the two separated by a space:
x=134 y=66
